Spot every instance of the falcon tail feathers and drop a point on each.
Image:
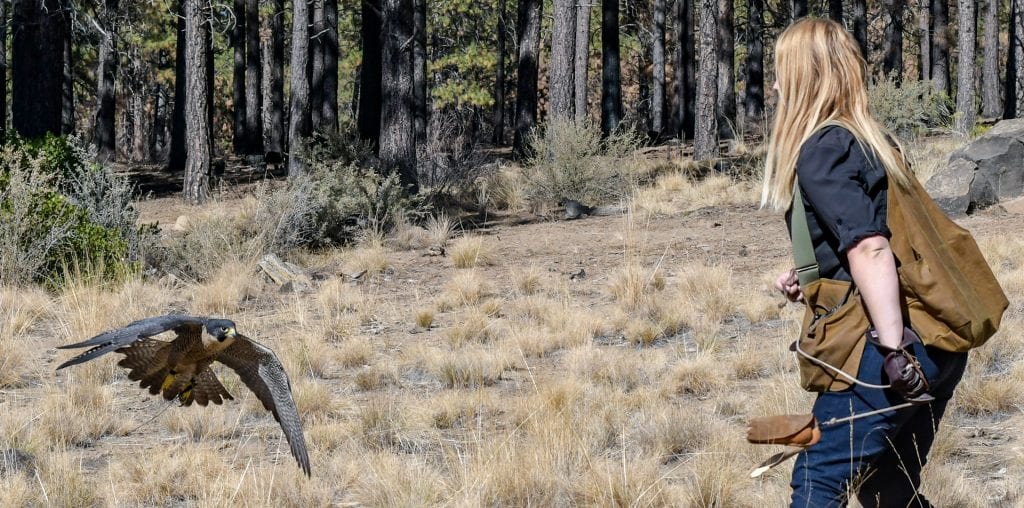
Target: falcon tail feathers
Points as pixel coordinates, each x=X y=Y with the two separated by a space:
x=95 y=352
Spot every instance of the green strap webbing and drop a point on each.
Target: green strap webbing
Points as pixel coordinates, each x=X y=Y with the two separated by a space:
x=803 y=249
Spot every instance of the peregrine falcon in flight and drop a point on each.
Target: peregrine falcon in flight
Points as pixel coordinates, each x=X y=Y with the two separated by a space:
x=181 y=368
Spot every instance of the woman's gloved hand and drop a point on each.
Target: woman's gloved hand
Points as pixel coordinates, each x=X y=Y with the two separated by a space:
x=904 y=371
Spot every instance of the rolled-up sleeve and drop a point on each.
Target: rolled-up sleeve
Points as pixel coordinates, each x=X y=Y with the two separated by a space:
x=835 y=177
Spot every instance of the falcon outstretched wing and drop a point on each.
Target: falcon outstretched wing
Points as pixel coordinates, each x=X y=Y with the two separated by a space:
x=114 y=339
x=262 y=372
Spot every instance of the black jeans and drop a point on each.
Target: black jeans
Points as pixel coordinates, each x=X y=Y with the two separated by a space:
x=882 y=455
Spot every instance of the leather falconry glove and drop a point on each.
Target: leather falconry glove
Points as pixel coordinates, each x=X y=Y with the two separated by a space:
x=904 y=371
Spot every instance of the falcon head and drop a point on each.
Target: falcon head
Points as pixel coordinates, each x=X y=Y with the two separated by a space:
x=221 y=329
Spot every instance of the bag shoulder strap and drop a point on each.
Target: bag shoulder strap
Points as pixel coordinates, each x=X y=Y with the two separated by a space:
x=800 y=235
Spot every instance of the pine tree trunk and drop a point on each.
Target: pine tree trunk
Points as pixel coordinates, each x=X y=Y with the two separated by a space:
x=835 y=10
x=498 y=122
x=925 y=47
x=67 y=118
x=176 y=158
x=1018 y=56
x=705 y=143
x=397 y=133
x=197 y=163
x=686 y=62
x=316 y=55
x=611 y=82
x=965 y=107
x=725 y=50
x=658 y=62
x=370 y=74
x=799 y=9
x=158 y=146
x=37 y=49
x=753 y=99
x=275 y=94
x=990 y=104
x=419 y=66
x=238 y=42
x=103 y=131
x=1014 y=54
x=581 y=60
x=253 y=80
x=560 y=70
x=3 y=70
x=329 y=95
x=892 y=42
x=137 y=105
x=859 y=13
x=528 y=24
x=299 y=126
x=940 y=46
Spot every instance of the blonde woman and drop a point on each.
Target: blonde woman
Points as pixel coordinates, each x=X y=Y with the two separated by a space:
x=826 y=141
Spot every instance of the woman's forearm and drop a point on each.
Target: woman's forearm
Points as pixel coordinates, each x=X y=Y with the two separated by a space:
x=873 y=268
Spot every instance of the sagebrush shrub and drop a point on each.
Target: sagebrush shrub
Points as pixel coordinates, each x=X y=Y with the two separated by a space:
x=571 y=161
x=911 y=108
x=59 y=209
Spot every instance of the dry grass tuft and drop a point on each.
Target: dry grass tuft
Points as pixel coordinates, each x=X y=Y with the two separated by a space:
x=678 y=192
x=62 y=481
x=473 y=326
x=355 y=352
x=376 y=377
x=370 y=259
x=199 y=423
x=224 y=293
x=440 y=228
x=425 y=318
x=529 y=281
x=633 y=285
x=470 y=367
x=76 y=414
x=20 y=313
x=604 y=483
x=471 y=251
x=385 y=479
x=466 y=288
x=699 y=377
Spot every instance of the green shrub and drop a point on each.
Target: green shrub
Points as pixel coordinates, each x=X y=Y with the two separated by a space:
x=572 y=161
x=911 y=108
x=58 y=209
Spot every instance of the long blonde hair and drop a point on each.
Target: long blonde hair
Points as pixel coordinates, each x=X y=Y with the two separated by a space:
x=820 y=72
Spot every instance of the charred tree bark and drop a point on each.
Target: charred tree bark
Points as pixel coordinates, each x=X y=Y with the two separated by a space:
x=799 y=9
x=658 y=72
x=299 y=126
x=705 y=142
x=990 y=104
x=892 y=41
x=103 y=131
x=1014 y=103
x=753 y=99
x=397 y=136
x=940 y=45
x=684 y=70
x=725 y=52
x=529 y=20
x=329 y=95
x=370 y=74
x=581 y=61
x=925 y=42
x=253 y=80
x=966 y=111
x=316 y=55
x=859 y=13
x=238 y=42
x=3 y=70
x=611 y=81
x=197 y=164
x=275 y=94
x=560 y=70
x=67 y=118
x=176 y=158
x=419 y=66
x=835 y=10
x=498 y=127
x=37 y=49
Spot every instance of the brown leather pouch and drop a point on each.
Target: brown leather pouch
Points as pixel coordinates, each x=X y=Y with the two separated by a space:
x=792 y=430
x=832 y=332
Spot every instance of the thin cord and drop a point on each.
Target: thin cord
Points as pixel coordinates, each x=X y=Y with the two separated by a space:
x=154 y=417
x=837 y=370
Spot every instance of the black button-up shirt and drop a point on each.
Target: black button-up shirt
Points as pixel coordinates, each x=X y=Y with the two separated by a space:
x=844 y=194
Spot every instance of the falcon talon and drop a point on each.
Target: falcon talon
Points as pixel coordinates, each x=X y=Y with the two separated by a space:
x=180 y=369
